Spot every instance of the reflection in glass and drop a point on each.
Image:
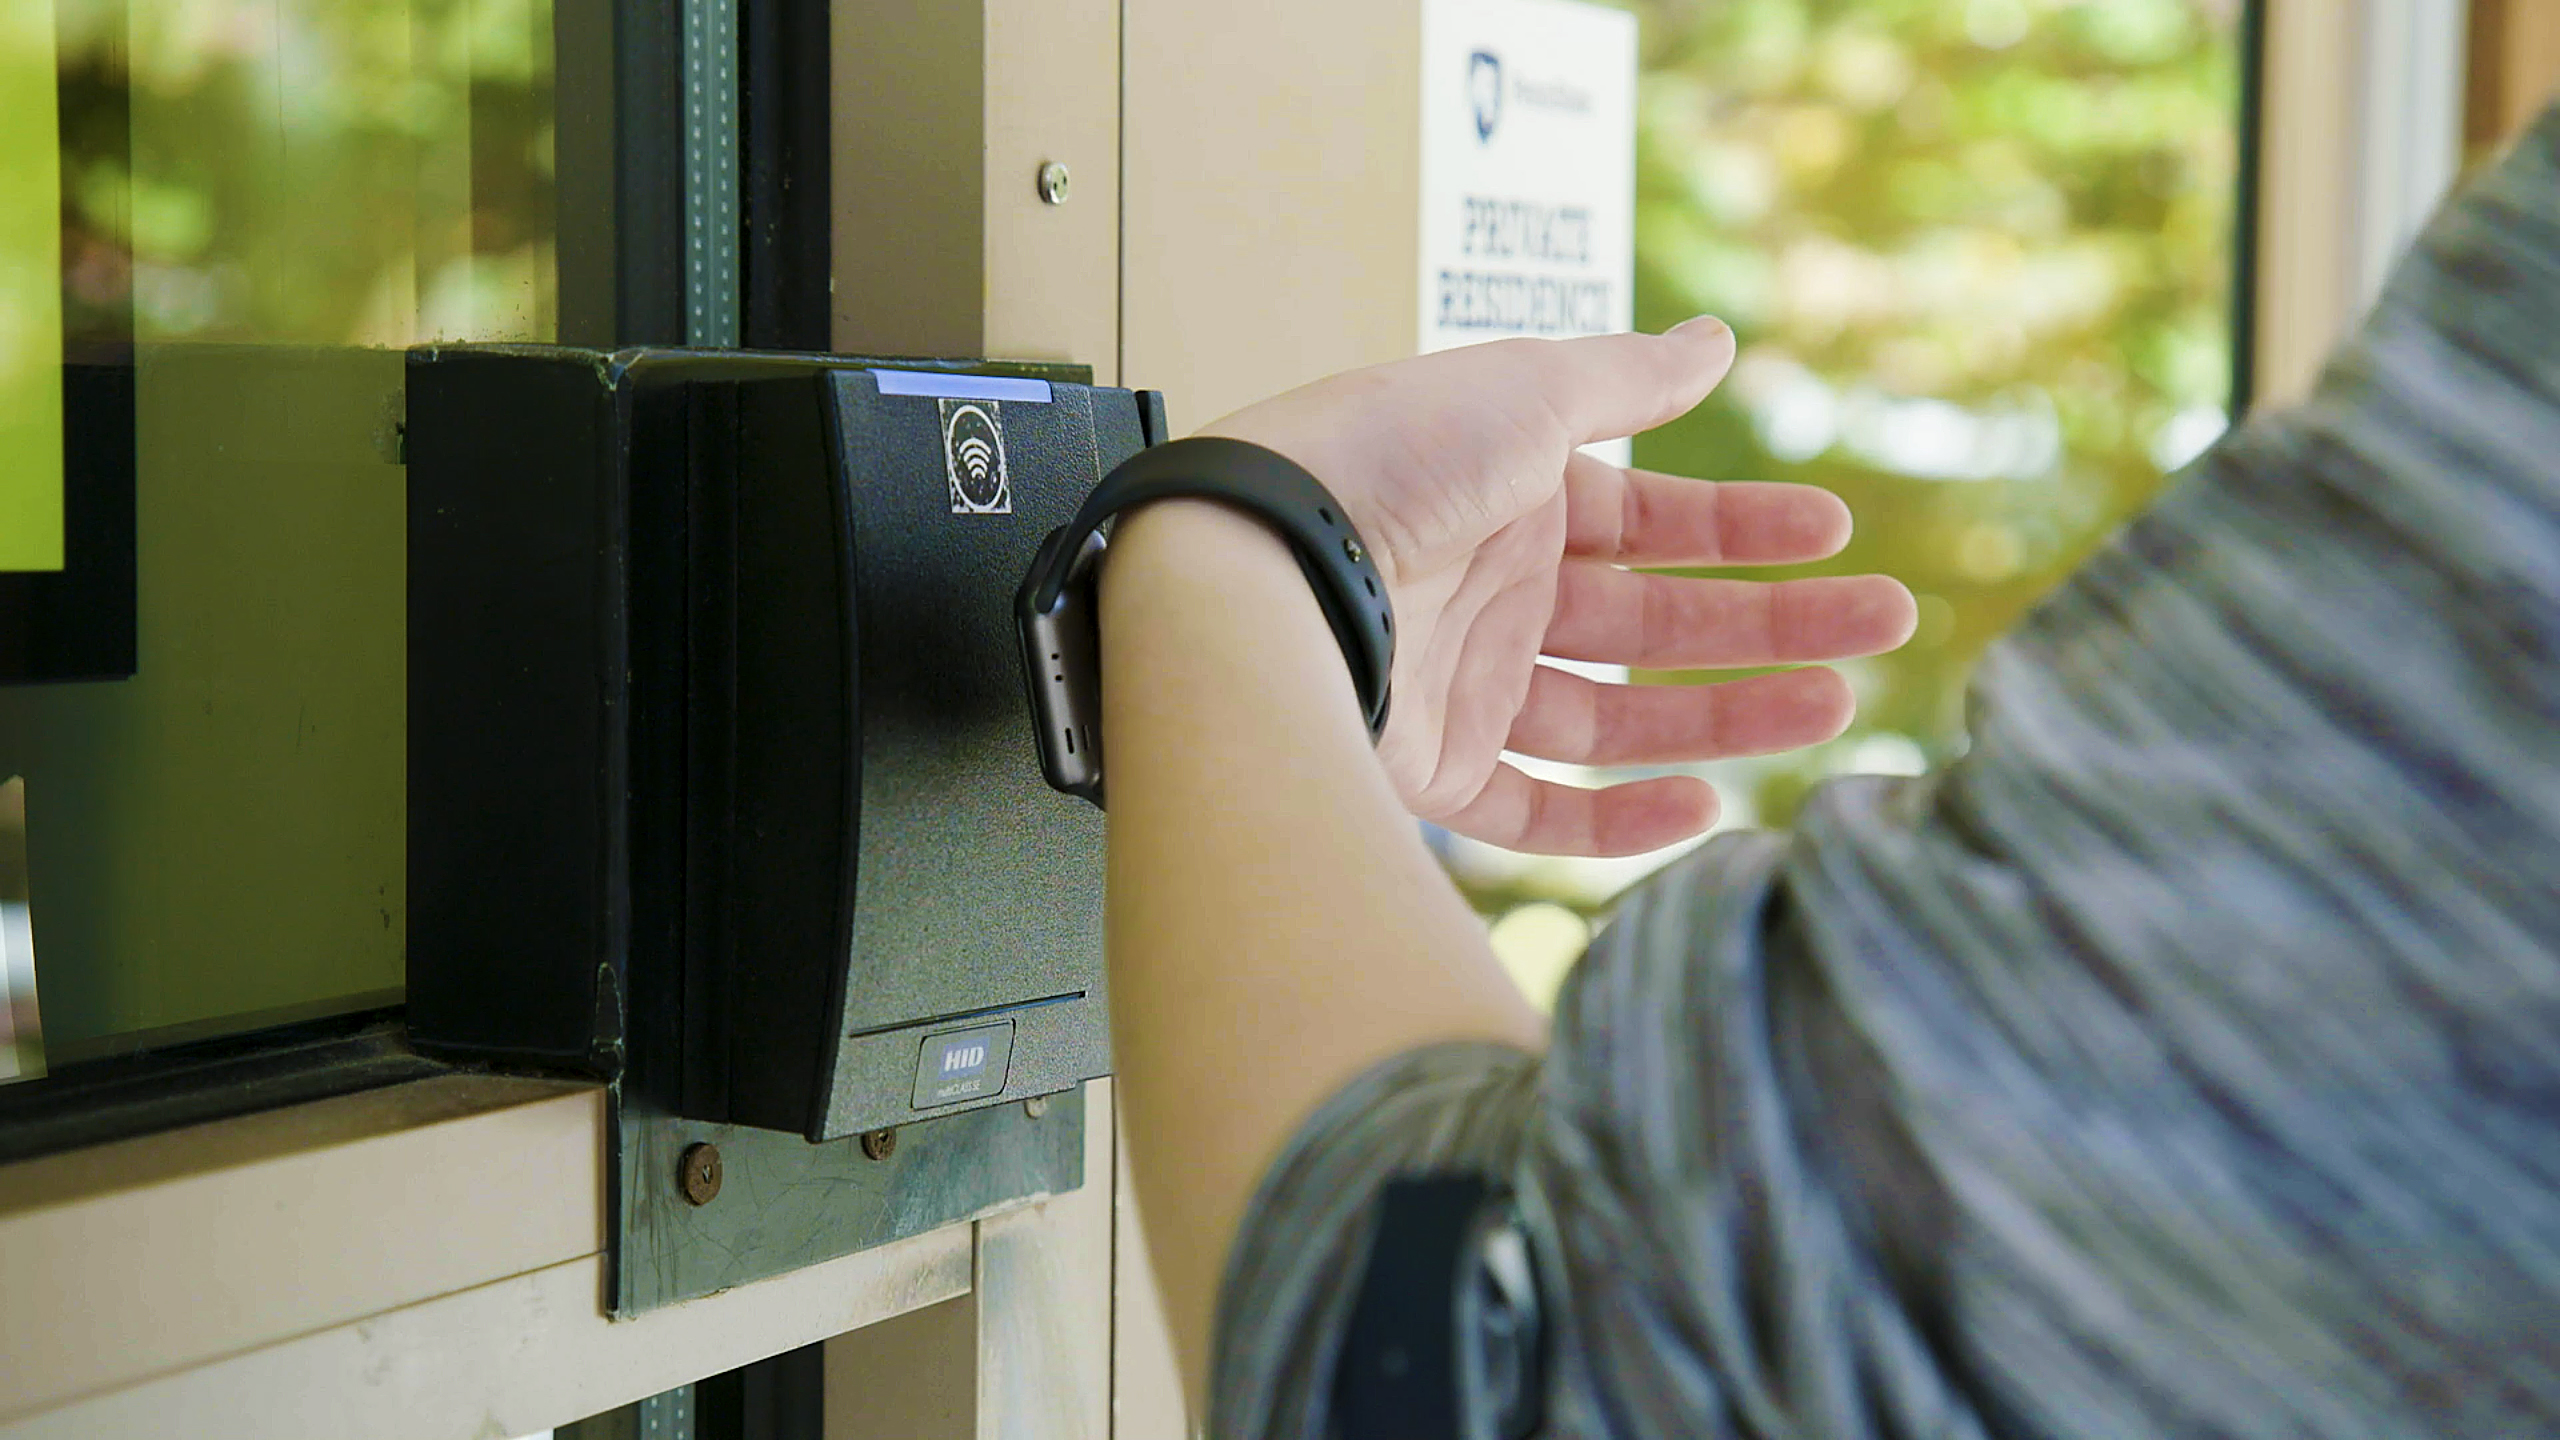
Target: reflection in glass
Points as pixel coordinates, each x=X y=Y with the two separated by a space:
x=335 y=172
x=262 y=201
x=1979 y=257
x=30 y=322
x=21 y=1030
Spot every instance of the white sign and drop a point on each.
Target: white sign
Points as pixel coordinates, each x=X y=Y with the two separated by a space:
x=1528 y=172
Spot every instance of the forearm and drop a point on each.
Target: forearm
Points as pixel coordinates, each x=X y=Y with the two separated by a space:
x=1275 y=924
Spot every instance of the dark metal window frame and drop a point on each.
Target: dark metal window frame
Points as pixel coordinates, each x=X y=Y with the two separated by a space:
x=2244 y=215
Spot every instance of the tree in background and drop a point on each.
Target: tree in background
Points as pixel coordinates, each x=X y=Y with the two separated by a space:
x=1979 y=255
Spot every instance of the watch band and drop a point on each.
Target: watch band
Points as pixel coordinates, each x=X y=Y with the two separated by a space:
x=1060 y=646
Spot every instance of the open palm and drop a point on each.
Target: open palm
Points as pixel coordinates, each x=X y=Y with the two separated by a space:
x=1500 y=541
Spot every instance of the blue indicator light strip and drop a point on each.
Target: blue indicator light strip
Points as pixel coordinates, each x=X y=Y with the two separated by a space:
x=961 y=387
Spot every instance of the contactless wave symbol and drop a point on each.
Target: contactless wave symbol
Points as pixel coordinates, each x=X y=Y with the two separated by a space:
x=973 y=457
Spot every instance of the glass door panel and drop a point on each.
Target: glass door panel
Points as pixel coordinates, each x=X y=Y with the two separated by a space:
x=260 y=204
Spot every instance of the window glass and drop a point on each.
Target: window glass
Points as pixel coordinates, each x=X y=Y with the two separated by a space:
x=1979 y=255
x=260 y=202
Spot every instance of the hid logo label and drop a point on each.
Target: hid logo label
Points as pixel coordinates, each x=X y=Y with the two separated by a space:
x=973 y=457
x=963 y=1065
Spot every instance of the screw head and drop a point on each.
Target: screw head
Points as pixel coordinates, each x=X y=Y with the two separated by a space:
x=880 y=1144
x=1036 y=1106
x=1053 y=183
x=1352 y=548
x=698 y=1173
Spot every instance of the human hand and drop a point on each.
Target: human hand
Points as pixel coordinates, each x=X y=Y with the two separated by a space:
x=1500 y=541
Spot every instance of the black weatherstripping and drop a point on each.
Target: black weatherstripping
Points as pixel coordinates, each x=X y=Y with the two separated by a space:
x=786 y=263
x=117 y=1097
x=620 y=148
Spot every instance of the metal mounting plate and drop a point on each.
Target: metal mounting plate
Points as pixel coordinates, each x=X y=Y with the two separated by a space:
x=784 y=1203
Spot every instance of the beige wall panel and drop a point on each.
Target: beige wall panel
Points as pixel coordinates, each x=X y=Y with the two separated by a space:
x=2307 y=196
x=2530 y=66
x=131 y=1259
x=2515 y=67
x=513 y=1358
x=1146 y=1378
x=906 y=180
x=2362 y=119
x=911 y=1378
x=944 y=114
x=1053 y=94
x=1044 y=1304
x=1027 y=1355
x=1271 y=215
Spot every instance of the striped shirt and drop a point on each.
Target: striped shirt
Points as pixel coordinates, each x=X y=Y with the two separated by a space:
x=2183 y=1060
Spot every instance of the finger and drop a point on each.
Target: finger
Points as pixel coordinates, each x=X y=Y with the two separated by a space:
x=1596 y=387
x=1669 y=622
x=1585 y=722
x=1543 y=818
x=1641 y=517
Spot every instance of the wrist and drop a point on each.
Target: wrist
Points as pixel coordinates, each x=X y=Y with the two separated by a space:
x=1186 y=582
x=1196 y=558
x=1212 y=568
x=1169 y=539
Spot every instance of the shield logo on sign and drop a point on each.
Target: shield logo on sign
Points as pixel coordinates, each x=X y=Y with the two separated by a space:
x=1484 y=91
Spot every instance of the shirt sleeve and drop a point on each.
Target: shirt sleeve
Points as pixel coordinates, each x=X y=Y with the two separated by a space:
x=2184 y=1060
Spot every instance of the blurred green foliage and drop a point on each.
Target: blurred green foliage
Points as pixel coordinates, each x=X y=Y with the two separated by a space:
x=1979 y=254
x=334 y=172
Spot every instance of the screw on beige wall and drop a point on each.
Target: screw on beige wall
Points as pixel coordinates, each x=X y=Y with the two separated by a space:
x=945 y=115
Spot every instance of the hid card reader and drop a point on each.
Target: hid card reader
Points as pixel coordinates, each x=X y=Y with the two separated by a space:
x=721 y=781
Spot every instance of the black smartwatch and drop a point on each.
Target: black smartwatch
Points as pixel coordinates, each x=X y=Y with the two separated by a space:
x=1060 y=641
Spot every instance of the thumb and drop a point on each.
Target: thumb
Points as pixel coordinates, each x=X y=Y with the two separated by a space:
x=1604 y=386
